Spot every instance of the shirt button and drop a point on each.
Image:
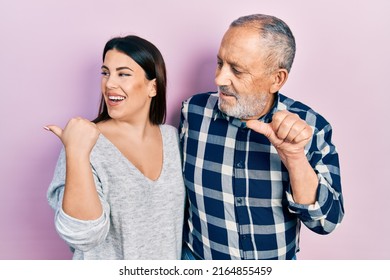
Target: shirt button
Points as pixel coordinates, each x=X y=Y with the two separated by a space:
x=240 y=164
x=239 y=201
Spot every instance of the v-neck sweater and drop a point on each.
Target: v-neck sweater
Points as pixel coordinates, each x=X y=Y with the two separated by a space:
x=142 y=218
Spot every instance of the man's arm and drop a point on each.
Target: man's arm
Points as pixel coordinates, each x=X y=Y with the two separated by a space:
x=315 y=195
x=289 y=134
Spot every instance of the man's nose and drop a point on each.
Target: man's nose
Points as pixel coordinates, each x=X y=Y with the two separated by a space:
x=222 y=77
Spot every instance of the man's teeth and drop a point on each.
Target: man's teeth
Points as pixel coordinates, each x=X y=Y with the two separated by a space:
x=116 y=98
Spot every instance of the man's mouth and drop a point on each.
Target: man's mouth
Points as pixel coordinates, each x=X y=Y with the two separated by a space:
x=228 y=94
x=223 y=90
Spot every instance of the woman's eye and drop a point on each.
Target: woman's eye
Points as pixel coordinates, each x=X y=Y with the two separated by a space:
x=124 y=75
x=105 y=73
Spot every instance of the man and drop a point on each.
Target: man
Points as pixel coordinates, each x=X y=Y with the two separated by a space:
x=256 y=163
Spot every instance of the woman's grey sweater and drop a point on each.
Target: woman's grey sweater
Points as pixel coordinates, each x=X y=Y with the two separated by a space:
x=142 y=219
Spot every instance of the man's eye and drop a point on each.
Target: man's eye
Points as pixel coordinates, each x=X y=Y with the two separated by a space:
x=219 y=64
x=235 y=71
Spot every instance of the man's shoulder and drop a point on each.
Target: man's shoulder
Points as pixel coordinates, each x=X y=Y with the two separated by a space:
x=293 y=105
x=303 y=110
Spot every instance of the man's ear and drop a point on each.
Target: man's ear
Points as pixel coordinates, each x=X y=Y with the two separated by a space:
x=279 y=78
x=152 y=88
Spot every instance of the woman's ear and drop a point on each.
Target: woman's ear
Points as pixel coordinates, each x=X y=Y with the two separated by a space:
x=280 y=77
x=152 y=88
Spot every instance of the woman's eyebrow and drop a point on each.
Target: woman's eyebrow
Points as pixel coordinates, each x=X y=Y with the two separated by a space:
x=119 y=68
x=124 y=68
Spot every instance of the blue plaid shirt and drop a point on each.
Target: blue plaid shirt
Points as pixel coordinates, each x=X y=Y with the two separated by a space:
x=240 y=204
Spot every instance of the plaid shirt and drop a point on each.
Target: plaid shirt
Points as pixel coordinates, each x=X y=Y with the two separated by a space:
x=240 y=204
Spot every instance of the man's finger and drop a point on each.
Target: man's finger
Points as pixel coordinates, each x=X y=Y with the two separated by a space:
x=55 y=129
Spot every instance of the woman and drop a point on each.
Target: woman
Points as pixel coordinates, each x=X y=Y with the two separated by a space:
x=118 y=191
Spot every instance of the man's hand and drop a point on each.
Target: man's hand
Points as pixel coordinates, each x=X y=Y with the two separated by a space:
x=290 y=134
x=287 y=132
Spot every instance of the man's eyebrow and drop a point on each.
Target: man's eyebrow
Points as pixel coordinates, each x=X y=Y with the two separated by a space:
x=231 y=63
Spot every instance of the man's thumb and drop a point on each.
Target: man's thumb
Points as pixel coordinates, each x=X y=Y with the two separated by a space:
x=55 y=129
x=262 y=128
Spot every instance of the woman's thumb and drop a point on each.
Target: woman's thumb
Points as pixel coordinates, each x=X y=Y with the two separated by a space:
x=55 y=129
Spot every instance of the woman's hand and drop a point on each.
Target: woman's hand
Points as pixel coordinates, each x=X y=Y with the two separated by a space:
x=79 y=136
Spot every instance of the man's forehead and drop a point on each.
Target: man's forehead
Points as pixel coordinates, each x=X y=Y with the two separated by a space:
x=240 y=38
x=240 y=44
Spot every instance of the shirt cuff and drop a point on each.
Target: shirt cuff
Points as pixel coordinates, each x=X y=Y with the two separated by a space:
x=313 y=211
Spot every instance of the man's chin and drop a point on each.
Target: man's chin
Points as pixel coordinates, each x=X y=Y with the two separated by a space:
x=228 y=111
x=222 y=107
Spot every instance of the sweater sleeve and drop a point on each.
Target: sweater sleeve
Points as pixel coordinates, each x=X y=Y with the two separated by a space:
x=82 y=235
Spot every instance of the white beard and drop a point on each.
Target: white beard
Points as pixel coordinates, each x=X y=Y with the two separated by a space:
x=246 y=107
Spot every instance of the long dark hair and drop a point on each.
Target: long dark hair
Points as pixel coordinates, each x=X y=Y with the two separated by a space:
x=146 y=55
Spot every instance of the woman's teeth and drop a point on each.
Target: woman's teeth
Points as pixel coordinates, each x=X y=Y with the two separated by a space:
x=116 y=98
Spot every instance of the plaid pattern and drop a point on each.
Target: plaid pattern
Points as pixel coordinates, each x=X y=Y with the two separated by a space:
x=240 y=204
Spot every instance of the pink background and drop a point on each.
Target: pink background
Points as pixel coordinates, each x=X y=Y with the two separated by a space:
x=50 y=59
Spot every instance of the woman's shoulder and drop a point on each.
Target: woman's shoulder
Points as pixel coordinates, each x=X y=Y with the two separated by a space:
x=168 y=129
x=169 y=133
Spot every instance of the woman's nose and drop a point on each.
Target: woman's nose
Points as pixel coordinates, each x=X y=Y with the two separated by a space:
x=111 y=82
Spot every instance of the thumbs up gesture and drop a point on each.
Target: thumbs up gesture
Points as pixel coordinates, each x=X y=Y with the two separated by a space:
x=287 y=132
x=79 y=135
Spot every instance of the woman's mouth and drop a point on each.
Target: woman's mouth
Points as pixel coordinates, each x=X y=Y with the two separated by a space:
x=115 y=99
